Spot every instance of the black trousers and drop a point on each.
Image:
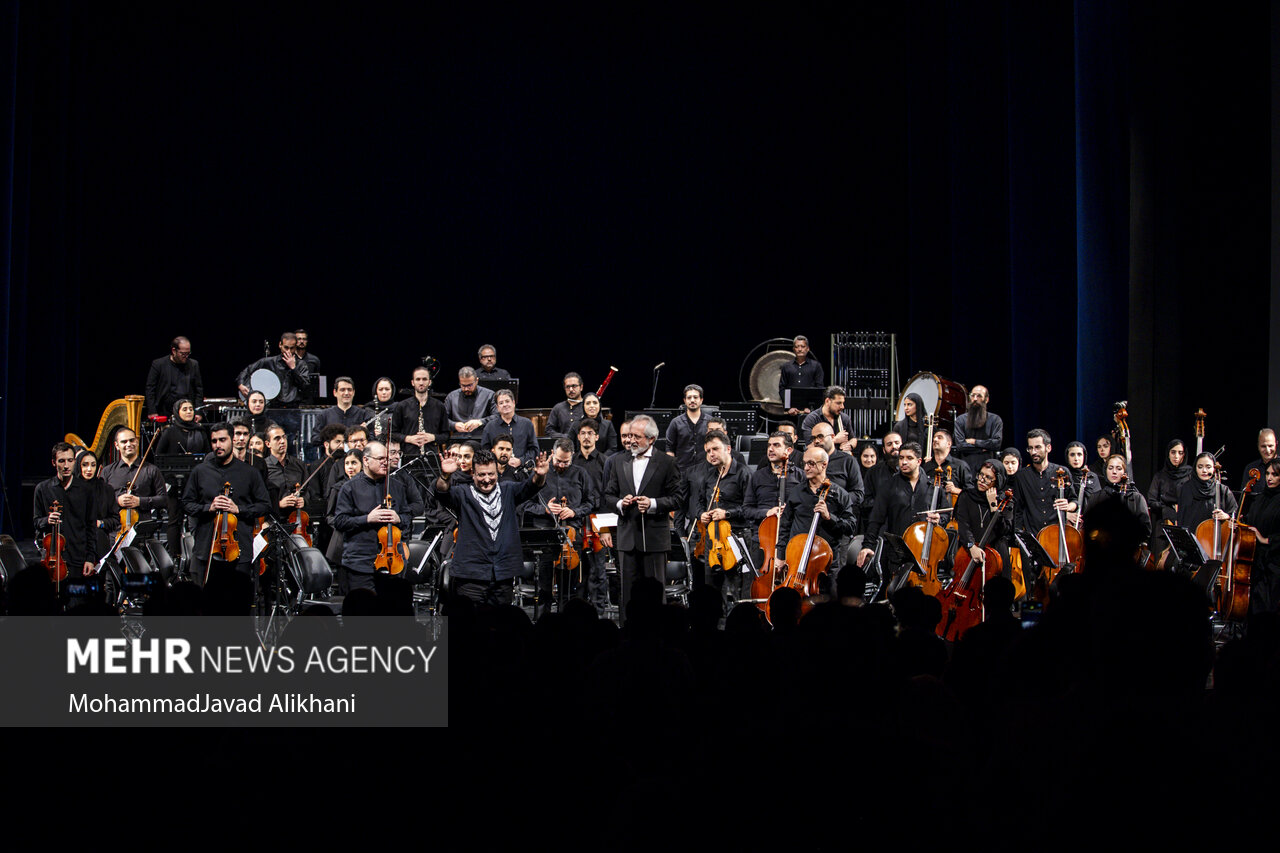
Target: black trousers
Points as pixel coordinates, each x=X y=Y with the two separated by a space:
x=490 y=593
x=638 y=564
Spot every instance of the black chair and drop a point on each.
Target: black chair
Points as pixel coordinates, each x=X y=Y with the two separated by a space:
x=11 y=561
x=160 y=558
x=135 y=562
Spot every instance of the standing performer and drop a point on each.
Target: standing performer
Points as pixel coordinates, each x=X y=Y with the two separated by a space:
x=293 y=372
x=568 y=413
x=468 y=407
x=78 y=511
x=362 y=511
x=1266 y=452
x=833 y=414
x=720 y=492
x=643 y=491
x=1035 y=488
x=567 y=498
x=148 y=491
x=836 y=511
x=419 y=421
x=1080 y=473
x=524 y=439
x=489 y=364
x=687 y=430
x=978 y=432
x=344 y=413
x=1162 y=495
x=173 y=378
x=488 y=555
x=804 y=372
x=204 y=498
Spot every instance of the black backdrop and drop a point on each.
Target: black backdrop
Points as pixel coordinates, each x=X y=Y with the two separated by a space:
x=1065 y=202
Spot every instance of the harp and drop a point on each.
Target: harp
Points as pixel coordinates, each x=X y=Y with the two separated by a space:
x=125 y=412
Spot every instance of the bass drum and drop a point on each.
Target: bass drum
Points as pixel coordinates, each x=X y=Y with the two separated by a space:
x=942 y=397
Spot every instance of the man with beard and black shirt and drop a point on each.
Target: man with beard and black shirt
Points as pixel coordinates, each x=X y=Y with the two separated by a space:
x=960 y=476
x=569 y=496
x=293 y=372
x=885 y=468
x=313 y=365
x=687 y=431
x=174 y=377
x=804 y=372
x=567 y=414
x=1035 y=488
x=797 y=452
x=77 y=511
x=203 y=499
x=420 y=420
x=333 y=439
x=344 y=413
x=899 y=502
x=489 y=364
x=767 y=490
x=488 y=553
x=148 y=491
x=502 y=451
x=285 y=474
x=468 y=407
x=1266 y=452
x=524 y=438
x=835 y=512
x=833 y=414
x=720 y=471
x=361 y=513
x=978 y=432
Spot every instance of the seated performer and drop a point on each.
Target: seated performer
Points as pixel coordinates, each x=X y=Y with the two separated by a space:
x=362 y=511
x=488 y=554
x=520 y=429
x=468 y=407
x=293 y=372
x=835 y=512
x=78 y=511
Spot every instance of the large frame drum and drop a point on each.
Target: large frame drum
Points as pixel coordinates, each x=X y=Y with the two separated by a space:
x=942 y=397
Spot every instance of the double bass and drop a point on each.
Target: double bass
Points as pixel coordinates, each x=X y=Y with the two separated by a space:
x=1237 y=571
x=962 y=599
x=1062 y=542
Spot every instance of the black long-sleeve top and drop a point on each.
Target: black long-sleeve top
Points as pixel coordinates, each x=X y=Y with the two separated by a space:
x=182 y=438
x=293 y=381
x=356 y=499
x=404 y=421
x=762 y=491
x=1162 y=495
x=1133 y=501
x=734 y=486
x=148 y=489
x=874 y=480
x=987 y=437
x=684 y=441
x=897 y=506
x=973 y=514
x=478 y=555
x=167 y=383
x=282 y=478
x=81 y=511
x=1195 y=504
x=496 y=373
x=574 y=485
x=335 y=415
x=797 y=375
x=594 y=466
x=846 y=472
x=799 y=514
x=608 y=440
x=1092 y=488
x=564 y=420
x=524 y=439
x=248 y=491
x=960 y=473
x=1033 y=496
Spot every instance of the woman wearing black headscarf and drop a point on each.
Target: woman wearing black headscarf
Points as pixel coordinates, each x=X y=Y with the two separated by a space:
x=911 y=427
x=1162 y=495
x=975 y=507
x=1079 y=471
x=1262 y=511
x=183 y=435
x=1195 y=499
x=104 y=497
x=1116 y=486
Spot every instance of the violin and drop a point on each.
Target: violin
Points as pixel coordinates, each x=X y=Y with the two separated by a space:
x=567 y=559
x=54 y=546
x=129 y=515
x=962 y=606
x=713 y=542
x=224 y=543
x=807 y=557
x=928 y=543
x=392 y=553
x=1063 y=543
x=299 y=518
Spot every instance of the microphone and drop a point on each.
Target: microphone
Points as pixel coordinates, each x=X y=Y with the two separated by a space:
x=660 y=365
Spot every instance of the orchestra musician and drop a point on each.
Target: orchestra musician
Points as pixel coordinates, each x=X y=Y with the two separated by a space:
x=900 y=502
x=761 y=499
x=568 y=413
x=108 y=523
x=1011 y=459
x=240 y=439
x=333 y=444
x=417 y=500
x=687 y=431
x=488 y=554
x=1195 y=500
x=720 y=470
x=1266 y=452
x=869 y=467
x=419 y=420
x=1103 y=448
x=1117 y=486
x=608 y=436
x=469 y=406
x=203 y=500
x=148 y=492
x=836 y=510
x=351 y=464
x=345 y=413
x=361 y=513
x=174 y=377
x=79 y=512
x=502 y=451
x=978 y=432
x=911 y=427
x=833 y=414
x=184 y=434
x=1262 y=512
x=518 y=428
x=567 y=496
x=1162 y=494
x=293 y=372
x=973 y=513
x=715 y=422
x=384 y=395
x=844 y=471
x=284 y=473
x=589 y=456
x=1079 y=472
x=1035 y=488
x=256 y=405
x=643 y=490
x=803 y=372
x=302 y=340
x=961 y=478
x=797 y=454
x=488 y=364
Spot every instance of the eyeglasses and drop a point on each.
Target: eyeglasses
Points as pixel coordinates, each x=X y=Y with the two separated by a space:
x=809 y=463
x=376 y=458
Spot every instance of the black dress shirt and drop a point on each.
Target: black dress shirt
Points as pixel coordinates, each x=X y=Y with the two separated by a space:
x=1033 y=497
x=282 y=478
x=167 y=383
x=496 y=373
x=762 y=491
x=148 y=488
x=80 y=515
x=684 y=440
x=897 y=506
x=356 y=499
x=575 y=486
x=564 y=420
x=404 y=422
x=797 y=375
x=349 y=418
x=294 y=382
x=247 y=491
x=524 y=438
x=734 y=486
x=799 y=514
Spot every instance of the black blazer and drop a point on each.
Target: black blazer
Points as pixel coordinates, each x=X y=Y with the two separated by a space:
x=662 y=482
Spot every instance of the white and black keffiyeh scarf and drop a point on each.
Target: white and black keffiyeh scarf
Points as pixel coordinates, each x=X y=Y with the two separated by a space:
x=490 y=509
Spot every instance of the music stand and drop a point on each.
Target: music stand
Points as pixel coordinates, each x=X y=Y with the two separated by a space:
x=1040 y=559
x=496 y=385
x=900 y=555
x=803 y=398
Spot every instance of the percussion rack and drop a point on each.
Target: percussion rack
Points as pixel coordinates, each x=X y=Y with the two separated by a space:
x=865 y=364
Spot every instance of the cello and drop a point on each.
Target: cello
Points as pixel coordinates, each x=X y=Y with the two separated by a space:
x=762 y=585
x=1062 y=542
x=928 y=542
x=962 y=599
x=808 y=556
x=1242 y=547
x=1210 y=532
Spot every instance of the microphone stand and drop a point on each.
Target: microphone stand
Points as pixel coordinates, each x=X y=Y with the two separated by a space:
x=653 y=399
